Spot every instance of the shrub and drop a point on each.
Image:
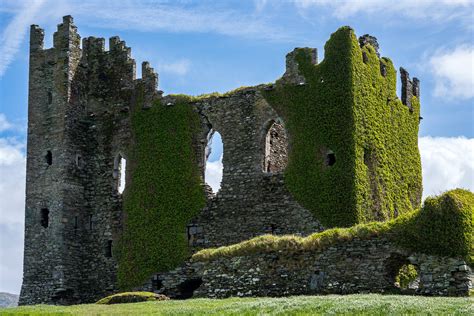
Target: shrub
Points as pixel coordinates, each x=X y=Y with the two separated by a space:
x=132 y=297
x=406 y=275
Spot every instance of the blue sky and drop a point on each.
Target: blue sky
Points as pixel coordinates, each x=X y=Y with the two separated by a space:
x=207 y=46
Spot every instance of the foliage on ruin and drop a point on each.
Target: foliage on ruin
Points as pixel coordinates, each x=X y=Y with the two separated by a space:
x=348 y=107
x=164 y=192
x=443 y=226
x=406 y=275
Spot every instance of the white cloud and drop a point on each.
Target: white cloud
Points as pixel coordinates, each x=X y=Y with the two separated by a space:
x=447 y=162
x=14 y=33
x=12 y=205
x=4 y=124
x=12 y=185
x=213 y=174
x=180 y=67
x=427 y=9
x=453 y=71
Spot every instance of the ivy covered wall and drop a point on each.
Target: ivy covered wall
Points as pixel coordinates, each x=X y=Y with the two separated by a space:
x=354 y=155
x=164 y=192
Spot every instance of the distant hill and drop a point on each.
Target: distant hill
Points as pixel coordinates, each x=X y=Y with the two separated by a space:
x=8 y=300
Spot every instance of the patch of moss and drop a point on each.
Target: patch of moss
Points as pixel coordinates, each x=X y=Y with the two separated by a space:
x=443 y=226
x=132 y=297
x=164 y=192
x=348 y=108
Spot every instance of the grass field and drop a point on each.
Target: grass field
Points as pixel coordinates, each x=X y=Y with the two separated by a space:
x=361 y=304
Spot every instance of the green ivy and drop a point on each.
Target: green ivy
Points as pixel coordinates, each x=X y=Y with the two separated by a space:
x=443 y=226
x=346 y=106
x=406 y=275
x=164 y=192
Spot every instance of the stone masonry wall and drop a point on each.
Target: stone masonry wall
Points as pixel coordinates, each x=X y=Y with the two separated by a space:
x=254 y=199
x=358 y=266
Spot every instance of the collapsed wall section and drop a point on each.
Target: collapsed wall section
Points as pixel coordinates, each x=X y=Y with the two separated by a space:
x=358 y=266
x=435 y=241
x=253 y=199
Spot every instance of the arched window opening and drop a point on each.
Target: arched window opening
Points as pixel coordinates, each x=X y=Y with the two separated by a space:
x=44 y=217
x=276 y=148
x=49 y=157
x=213 y=154
x=120 y=165
x=330 y=158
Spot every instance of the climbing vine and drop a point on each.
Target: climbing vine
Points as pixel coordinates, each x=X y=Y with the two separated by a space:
x=347 y=112
x=164 y=193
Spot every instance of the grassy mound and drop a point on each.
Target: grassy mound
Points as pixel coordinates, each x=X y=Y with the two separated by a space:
x=443 y=226
x=360 y=304
x=132 y=297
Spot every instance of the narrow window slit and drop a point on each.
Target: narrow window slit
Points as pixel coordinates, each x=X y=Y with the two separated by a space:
x=330 y=158
x=44 y=217
x=108 y=249
x=213 y=156
x=120 y=165
x=49 y=157
x=276 y=148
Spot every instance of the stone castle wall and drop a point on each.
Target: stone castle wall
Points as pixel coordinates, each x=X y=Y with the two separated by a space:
x=357 y=266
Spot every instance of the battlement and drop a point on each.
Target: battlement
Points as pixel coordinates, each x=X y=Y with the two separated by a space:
x=36 y=38
x=292 y=73
x=66 y=36
x=410 y=88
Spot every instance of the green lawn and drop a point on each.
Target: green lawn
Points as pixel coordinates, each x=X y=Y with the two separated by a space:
x=362 y=304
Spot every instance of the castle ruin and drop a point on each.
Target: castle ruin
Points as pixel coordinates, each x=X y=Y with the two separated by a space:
x=327 y=145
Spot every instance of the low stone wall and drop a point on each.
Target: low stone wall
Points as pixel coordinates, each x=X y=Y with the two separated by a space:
x=358 y=266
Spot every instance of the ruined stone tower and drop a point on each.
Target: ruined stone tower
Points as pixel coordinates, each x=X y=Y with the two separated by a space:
x=326 y=145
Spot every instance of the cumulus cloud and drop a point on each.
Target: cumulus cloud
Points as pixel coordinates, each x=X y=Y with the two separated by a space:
x=448 y=163
x=4 y=124
x=180 y=67
x=213 y=175
x=427 y=9
x=453 y=72
x=12 y=205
